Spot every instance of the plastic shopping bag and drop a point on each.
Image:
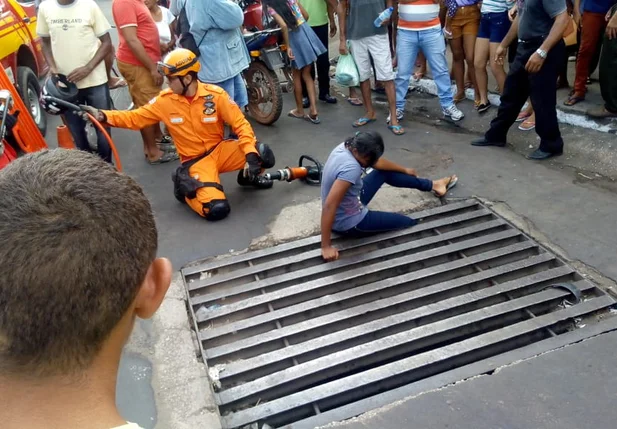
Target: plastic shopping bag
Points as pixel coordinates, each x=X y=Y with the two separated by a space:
x=347 y=71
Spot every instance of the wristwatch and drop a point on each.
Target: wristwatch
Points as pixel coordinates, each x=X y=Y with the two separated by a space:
x=541 y=52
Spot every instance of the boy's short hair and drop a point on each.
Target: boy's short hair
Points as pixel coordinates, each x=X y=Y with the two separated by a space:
x=76 y=240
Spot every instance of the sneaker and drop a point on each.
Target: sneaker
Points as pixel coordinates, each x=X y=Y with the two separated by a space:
x=453 y=113
x=400 y=114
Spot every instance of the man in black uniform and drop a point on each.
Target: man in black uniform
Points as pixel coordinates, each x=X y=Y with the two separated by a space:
x=540 y=25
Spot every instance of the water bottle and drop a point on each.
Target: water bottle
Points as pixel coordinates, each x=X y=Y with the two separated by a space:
x=386 y=14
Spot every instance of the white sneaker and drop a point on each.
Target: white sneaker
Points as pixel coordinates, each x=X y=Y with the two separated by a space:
x=453 y=113
x=400 y=114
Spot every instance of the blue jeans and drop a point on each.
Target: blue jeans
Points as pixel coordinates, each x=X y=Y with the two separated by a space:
x=236 y=88
x=432 y=43
x=99 y=98
x=375 y=221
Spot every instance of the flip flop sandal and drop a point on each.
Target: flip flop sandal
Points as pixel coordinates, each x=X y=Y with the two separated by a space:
x=396 y=130
x=167 y=147
x=527 y=125
x=313 y=119
x=355 y=101
x=451 y=184
x=165 y=140
x=458 y=99
x=166 y=157
x=572 y=100
x=295 y=114
x=363 y=121
x=522 y=116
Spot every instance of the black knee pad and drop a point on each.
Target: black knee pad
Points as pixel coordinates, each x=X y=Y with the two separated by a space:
x=266 y=155
x=216 y=210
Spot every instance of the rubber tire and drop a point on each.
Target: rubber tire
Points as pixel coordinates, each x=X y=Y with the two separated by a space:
x=27 y=79
x=277 y=94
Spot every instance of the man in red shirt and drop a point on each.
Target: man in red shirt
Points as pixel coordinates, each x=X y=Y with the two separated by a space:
x=138 y=52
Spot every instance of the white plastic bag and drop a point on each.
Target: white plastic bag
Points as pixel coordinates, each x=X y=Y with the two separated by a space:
x=347 y=71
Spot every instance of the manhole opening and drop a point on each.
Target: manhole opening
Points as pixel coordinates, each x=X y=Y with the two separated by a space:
x=293 y=342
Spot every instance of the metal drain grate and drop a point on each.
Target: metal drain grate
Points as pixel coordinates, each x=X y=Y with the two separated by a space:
x=293 y=342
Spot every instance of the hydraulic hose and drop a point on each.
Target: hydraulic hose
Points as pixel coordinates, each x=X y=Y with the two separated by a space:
x=97 y=124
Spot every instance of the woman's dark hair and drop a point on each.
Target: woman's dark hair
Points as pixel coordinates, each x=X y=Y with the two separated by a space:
x=368 y=144
x=282 y=8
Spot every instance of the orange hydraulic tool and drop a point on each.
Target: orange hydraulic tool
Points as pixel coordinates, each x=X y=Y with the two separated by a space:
x=25 y=132
x=310 y=174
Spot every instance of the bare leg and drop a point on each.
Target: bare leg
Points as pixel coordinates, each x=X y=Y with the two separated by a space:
x=391 y=94
x=151 y=150
x=297 y=76
x=458 y=66
x=480 y=59
x=469 y=45
x=310 y=88
x=365 y=87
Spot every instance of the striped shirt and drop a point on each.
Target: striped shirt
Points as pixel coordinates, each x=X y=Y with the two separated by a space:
x=418 y=15
x=496 y=6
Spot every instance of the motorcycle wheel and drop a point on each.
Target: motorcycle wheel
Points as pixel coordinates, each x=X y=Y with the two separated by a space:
x=264 y=89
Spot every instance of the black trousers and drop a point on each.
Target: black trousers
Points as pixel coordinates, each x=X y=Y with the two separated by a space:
x=323 y=63
x=541 y=87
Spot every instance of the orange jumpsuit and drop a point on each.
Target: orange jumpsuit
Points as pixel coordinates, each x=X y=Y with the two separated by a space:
x=197 y=127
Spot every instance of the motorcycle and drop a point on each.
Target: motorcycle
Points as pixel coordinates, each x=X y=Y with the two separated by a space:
x=267 y=58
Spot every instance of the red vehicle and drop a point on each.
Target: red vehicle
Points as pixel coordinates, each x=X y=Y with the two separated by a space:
x=21 y=54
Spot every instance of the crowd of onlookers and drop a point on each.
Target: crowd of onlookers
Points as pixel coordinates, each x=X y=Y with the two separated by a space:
x=403 y=47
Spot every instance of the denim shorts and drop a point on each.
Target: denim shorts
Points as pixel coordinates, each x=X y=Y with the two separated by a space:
x=494 y=26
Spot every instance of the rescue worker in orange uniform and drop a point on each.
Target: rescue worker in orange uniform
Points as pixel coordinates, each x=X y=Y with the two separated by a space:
x=195 y=114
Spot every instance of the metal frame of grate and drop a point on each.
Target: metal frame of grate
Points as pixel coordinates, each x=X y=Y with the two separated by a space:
x=296 y=342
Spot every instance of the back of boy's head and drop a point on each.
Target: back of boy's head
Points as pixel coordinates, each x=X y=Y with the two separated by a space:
x=76 y=241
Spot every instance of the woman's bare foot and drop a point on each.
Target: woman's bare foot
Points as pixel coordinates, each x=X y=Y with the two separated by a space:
x=442 y=186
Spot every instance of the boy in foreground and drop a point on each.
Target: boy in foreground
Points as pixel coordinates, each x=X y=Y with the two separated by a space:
x=78 y=266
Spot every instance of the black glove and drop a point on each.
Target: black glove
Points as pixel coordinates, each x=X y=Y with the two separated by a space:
x=252 y=167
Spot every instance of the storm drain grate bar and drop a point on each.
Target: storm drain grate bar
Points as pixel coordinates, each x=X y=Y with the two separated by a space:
x=292 y=341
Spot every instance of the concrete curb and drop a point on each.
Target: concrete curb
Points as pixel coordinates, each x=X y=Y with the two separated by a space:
x=184 y=398
x=428 y=86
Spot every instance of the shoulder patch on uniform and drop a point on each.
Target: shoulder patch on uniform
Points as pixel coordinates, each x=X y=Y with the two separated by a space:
x=214 y=88
x=153 y=100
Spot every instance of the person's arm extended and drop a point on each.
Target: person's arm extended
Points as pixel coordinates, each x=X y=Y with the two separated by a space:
x=226 y=15
x=103 y=50
x=328 y=213
x=342 y=26
x=384 y=164
x=285 y=31
x=332 y=6
x=132 y=119
x=48 y=54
